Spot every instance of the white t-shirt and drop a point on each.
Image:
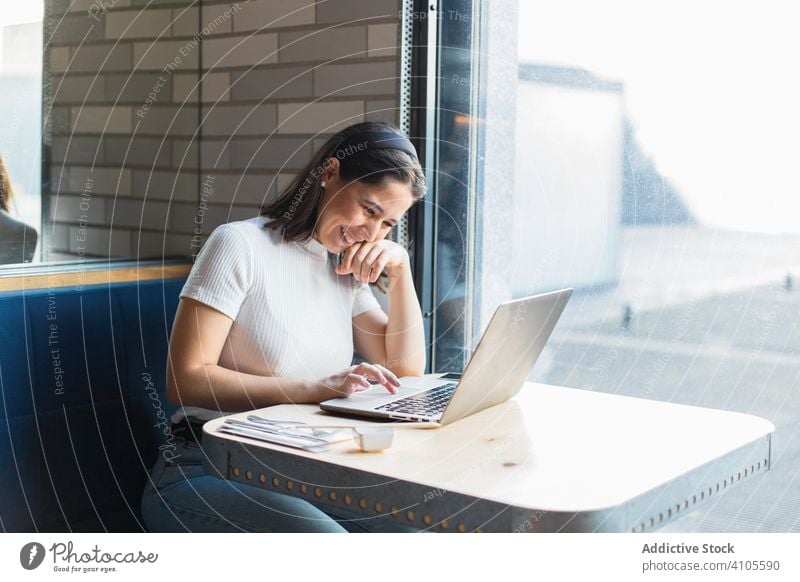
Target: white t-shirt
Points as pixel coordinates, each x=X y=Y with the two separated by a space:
x=292 y=313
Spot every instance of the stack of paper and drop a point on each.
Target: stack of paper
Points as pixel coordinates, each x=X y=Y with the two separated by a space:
x=284 y=433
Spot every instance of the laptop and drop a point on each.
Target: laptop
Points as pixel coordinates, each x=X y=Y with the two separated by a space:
x=497 y=370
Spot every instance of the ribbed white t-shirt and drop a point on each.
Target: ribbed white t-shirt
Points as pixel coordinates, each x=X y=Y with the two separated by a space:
x=292 y=314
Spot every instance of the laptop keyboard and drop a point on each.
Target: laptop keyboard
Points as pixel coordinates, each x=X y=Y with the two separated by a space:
x=429 y=403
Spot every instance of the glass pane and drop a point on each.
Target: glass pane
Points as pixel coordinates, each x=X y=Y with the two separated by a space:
x=20 y=129
x=120 y=138
x=453 y=128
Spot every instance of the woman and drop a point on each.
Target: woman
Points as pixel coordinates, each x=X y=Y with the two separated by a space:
x=269 y=316
x=17 y=239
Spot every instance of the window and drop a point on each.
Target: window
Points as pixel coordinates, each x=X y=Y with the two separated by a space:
x=644 y=154
x=136 y=129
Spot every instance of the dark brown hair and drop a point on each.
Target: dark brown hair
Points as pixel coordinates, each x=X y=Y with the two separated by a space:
x=296 y=210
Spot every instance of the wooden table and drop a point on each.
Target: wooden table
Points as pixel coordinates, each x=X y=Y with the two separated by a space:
x=551 y=459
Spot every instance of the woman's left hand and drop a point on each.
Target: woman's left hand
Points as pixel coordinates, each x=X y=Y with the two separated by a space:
x=367 y=260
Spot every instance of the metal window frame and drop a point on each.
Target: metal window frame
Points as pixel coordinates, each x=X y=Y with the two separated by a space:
x=421 y=54
x=421 y=95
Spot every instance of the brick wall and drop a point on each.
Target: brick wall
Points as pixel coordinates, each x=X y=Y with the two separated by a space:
x=163 y=123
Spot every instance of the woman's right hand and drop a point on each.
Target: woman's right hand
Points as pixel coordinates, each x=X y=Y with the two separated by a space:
x=355 y=379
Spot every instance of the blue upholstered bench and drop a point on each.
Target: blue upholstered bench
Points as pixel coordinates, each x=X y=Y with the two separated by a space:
x=82 y=403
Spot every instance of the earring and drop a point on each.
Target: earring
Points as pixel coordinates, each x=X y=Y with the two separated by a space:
x=322 y=184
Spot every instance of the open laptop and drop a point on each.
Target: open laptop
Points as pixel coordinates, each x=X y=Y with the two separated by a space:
x=496 y=371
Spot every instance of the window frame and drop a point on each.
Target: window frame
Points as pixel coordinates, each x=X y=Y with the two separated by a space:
x=428 y=67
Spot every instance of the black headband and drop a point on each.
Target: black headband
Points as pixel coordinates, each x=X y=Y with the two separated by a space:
x=376 y=140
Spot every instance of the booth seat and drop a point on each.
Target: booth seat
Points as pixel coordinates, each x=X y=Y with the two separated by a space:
x=82 y=403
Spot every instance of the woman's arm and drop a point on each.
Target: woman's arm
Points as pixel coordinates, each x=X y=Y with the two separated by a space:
x=396 y=341
x=194 y=377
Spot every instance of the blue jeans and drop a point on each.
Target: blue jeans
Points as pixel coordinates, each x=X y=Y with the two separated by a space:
x=180 y=496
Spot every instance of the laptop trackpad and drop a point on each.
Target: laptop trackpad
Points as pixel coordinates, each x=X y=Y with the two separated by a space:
x=380 y=390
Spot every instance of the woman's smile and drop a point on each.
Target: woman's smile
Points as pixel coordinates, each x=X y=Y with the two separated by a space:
x=345 y=239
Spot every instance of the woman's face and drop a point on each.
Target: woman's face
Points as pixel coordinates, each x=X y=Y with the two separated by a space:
x=355 y=211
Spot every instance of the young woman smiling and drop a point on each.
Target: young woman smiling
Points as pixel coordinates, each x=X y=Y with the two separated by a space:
x=270 y=315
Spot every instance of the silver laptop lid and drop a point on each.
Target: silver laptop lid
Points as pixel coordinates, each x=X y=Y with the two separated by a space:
x=506 y=353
